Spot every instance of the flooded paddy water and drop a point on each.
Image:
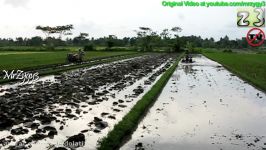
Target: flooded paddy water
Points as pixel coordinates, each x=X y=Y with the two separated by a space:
x=76 y=109
x=203 y=107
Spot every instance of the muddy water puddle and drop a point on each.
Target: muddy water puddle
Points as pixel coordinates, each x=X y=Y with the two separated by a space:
x=80 y=106
x=107 y=111
x=204 y=107
x=51 y=78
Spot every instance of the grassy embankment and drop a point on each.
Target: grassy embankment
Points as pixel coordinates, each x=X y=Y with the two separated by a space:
x=31 y=60
x=128 y=124
x=249 y=67
x=47 y=61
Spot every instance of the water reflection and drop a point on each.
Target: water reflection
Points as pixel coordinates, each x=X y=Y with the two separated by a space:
x=85 y=112
x=187 y=69
x=206 y=108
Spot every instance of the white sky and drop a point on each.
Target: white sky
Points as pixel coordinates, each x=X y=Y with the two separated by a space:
x=18 y=18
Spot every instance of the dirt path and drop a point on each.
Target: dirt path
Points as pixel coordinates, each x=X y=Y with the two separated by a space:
x=77 y=108
x=204 y=107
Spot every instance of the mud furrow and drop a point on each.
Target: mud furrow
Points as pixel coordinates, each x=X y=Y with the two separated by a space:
x=54 y=109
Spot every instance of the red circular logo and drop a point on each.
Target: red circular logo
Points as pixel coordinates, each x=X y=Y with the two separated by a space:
x=255 y=37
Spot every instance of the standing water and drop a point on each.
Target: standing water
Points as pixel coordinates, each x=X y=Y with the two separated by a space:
x=204 y=107
x=75 y=109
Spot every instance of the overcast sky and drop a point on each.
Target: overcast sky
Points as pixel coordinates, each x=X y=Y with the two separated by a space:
x=118 y=17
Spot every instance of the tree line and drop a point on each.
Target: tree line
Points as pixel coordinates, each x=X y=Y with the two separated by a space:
x=146 y=40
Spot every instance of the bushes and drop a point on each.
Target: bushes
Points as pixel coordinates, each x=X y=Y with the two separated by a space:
x=227 y=51
x=177 y=47
x=89 y=47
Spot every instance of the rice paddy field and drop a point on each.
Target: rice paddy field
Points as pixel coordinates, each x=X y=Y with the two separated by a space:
x=250 y=67
x=125 y=101
x=33 y=59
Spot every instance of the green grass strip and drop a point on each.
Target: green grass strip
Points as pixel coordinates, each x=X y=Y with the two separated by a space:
x=243 y=69
x=52 y=71
x=129 y=123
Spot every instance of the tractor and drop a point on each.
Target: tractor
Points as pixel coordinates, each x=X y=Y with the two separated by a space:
x=75 y=57
x=187 y=59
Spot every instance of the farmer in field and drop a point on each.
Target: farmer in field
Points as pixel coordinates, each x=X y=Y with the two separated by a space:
x=188 y=57
x=76 y=57
x=80 y=54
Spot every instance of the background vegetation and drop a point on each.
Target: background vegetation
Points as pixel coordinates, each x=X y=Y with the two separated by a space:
x=145 y=40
